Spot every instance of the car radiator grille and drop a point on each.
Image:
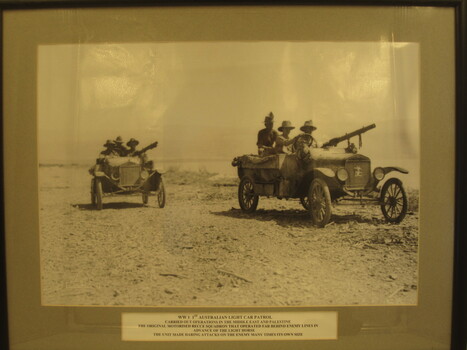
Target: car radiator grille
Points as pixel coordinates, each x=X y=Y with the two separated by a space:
x=129 y=175
x=359 y=174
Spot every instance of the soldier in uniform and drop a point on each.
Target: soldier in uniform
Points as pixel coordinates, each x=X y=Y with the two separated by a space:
x=119 y=147
x=283 y=142
x=109 y=149
x=305 y=141
x=306 y=137
x=267 y=136
x=132 y=147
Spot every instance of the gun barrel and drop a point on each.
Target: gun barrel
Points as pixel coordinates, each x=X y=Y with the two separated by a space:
x=335 y=141
x=147 y=148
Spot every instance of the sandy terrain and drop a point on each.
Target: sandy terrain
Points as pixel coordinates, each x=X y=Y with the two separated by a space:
x=202 y=250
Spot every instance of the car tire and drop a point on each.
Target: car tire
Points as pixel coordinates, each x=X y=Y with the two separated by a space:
x=99 y=194
x=393 y=201
x=247 y=198
x=161 y=195
x=320 y=202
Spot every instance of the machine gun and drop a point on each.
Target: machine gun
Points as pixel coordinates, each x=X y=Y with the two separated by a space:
x=144 y=149
x=359 y=132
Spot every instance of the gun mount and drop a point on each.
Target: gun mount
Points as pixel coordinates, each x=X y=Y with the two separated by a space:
x=335 y=141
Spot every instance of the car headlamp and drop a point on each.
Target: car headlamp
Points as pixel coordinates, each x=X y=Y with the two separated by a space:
x=378 y=173
x=144 y=174
x=342 y=174
x=115 y=174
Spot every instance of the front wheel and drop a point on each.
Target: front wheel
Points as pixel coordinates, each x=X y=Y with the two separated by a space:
x=319 y=199
x=161 y=195
x=247 y=198
x=98 y=193
x=393 y=201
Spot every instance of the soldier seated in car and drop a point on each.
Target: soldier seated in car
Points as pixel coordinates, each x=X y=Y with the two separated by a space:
x=305 y=141
x=119 y=147
x=132 y=147
x=109 y=149
x=283 y=142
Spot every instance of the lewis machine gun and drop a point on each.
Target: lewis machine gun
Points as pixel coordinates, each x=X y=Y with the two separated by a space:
x=351 y=147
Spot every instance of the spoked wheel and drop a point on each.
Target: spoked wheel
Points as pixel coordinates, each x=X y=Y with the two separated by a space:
x=320 y=202
x=98 y=194
x=161 y=195
x=305 y=203
x=393 y=201
x=247 y=198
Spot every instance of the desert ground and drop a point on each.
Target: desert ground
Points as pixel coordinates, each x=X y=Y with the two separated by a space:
x=202 y=250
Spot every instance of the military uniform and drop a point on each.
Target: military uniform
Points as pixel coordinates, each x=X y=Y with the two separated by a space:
x=119 y=148
x=132 y=147
x=283 y=143
x=266 y=138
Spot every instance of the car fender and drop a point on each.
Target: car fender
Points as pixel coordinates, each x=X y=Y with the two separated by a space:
x=325 y=171
x=395 y=168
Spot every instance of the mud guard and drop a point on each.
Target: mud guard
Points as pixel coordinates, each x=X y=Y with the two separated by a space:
x=325 y=171
x=395 y=168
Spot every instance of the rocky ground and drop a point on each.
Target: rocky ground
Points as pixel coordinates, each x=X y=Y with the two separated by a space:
x=201 y=249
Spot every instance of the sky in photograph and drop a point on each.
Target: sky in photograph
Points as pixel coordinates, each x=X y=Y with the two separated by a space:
x=205 y=101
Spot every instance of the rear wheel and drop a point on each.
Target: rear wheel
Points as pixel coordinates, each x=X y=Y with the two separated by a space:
x=98 y=194
x=247 y=198
x=161 y=195
x=319 y=199
x=393 y=201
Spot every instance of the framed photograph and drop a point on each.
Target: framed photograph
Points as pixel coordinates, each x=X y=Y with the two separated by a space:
x=261 y=173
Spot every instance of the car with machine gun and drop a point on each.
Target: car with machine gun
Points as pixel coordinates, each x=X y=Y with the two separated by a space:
x=126 y=175
x=325 y=175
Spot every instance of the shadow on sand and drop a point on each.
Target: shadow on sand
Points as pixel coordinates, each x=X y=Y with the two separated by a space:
x=290 y=217
x=113 y=205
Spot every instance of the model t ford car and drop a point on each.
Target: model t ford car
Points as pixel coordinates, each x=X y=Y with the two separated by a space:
x=325 y=175
x=116 y=174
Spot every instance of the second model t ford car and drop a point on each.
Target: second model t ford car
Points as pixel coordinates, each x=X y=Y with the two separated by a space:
x=327 y=174
x=123 y=175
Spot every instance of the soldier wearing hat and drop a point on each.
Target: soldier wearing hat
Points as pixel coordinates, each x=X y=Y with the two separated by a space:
x=119 y=147
x=283 y=142
x=132 y=147
x=306 y=136
x=109 y=149
x=267 y=136
x=305 y=141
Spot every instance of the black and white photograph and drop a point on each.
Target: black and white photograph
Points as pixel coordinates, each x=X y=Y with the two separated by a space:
x=229 y=173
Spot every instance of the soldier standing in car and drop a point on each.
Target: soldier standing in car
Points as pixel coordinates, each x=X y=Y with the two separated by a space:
x=267 y=136
x=306 y=137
